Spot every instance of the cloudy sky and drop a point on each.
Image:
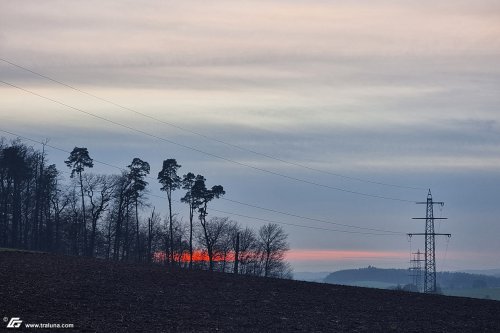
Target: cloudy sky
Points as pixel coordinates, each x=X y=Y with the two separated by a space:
x=391 y=92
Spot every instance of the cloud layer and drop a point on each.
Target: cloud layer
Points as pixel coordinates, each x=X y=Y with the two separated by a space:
x=394 y=91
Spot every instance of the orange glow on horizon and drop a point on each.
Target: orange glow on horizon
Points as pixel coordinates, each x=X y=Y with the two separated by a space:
x=296 y=255
x=307 y=254
x=198 y=256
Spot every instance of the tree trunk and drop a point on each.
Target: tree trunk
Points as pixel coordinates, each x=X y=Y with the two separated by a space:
x=49 y=226
x=16 y=214
x=126 y=242
x=118 y=229
x=84 y=222
x=150 y=235
x=169 y=196
x=57 y=232
x=74 y=233
x=137 y=245
x=108 y=238
x=237 y=253
x=92 y=236
x=26 y=215
x=191 y=213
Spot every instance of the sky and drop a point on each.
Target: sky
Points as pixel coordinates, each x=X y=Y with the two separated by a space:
x=394 y=92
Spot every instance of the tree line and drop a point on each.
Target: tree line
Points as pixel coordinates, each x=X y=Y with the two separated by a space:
x=109 y=216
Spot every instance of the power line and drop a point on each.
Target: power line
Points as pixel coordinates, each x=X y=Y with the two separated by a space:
x=56 y=148
x=293 y=224
x=303 y=226
x=300 y=180
x=206 y=136
x=309 y=218
x=381 y=231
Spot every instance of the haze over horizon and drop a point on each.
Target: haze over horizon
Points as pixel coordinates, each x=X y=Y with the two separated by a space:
x=391 y=92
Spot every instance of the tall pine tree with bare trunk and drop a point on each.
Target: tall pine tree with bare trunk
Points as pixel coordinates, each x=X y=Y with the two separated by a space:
x=171 y=181
x=194 y=202
x=78 y=160
x=139 y=170
x=205 y=196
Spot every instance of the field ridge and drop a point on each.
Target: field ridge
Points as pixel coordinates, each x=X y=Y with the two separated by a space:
x=102 y=296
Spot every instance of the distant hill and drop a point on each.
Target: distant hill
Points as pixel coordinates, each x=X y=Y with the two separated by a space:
x=310 y=276
x=369 y=277
x=383 y=278
x=492 y=272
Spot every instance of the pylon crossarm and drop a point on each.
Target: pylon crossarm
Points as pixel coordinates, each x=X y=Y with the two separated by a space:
x=429 y=234
x=432 y=202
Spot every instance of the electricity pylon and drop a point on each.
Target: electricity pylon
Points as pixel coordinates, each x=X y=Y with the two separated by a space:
x=430 y=283
x=416 y=270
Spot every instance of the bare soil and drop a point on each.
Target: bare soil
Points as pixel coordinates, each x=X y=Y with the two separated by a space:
x=101 y=296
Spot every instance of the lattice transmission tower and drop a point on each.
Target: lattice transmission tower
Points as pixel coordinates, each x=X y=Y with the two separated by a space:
x=416 y=270
x=430 y=283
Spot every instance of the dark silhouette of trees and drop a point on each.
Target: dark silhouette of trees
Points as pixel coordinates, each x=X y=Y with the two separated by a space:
x=78 y=160
x=170 y=182
x=15 y=159
x=28 y=191
x=100 y=215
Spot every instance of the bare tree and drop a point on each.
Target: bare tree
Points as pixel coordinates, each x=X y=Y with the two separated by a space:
x=248 y=252
x=226 y=247
x=60 y=200
x=179 y=244
x=272 y=245
x=210 y=236
x=99 y=189
x=153 y=221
